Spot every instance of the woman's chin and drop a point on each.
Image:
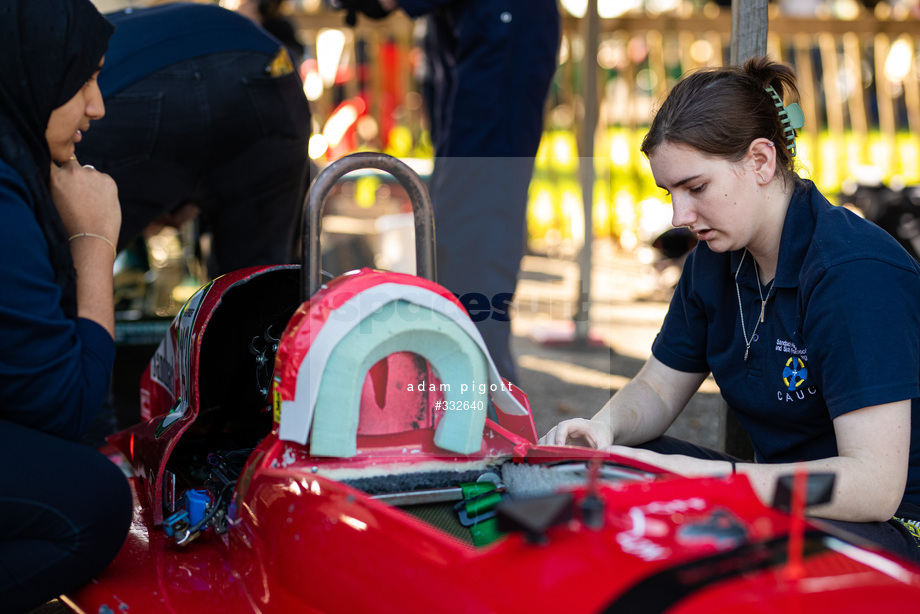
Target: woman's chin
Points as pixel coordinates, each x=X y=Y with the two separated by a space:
x=716 y=245
x=62 y=154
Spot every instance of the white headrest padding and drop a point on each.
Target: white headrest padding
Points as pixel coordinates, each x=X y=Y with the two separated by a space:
x=297 y=414
x=453 y=356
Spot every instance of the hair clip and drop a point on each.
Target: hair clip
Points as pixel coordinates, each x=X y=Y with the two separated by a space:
x=791 y=117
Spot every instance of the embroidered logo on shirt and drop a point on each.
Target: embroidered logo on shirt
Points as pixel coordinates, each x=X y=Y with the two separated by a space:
x=788 y=347
x=796 y=385
x=795 y=373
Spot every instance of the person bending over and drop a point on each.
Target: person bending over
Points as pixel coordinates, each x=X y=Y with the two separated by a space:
x=206 y=115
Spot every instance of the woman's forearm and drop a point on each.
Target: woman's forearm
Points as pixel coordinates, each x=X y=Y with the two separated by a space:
x=87 y=201
x=634 y=415
x=649 y=403
x=861 y=493
x=871 y=466
x=93 y=259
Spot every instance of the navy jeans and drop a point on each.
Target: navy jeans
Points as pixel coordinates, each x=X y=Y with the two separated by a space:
x=216 y=131
x=65 y=510
x=891 y=535
x=490 y=65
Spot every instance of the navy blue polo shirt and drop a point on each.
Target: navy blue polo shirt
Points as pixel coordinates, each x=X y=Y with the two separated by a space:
x=148 y=39
x=841 y=332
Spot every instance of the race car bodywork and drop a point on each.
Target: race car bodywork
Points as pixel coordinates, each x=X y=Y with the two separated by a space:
x=357 y=451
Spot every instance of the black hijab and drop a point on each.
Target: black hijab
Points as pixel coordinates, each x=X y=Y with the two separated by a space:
x=50 y=49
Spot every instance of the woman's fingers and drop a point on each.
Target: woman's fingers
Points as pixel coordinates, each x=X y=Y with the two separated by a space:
x=578 y=432
x=86 y=199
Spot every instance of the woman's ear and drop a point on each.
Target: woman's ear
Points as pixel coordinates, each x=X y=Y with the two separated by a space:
x=762 y=158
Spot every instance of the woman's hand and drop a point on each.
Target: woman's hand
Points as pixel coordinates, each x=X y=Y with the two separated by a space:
x=579 y=432
x=86 y=199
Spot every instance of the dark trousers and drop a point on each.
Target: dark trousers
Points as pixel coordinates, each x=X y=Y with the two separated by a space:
x=891 y=535
x=216 y=131
x=65 y=510
x=490 y=68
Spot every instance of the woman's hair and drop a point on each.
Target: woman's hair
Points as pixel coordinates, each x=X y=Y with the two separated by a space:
x=720 y=111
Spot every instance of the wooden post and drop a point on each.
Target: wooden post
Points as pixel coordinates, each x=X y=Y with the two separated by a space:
x=750 y=24
x=590 y=34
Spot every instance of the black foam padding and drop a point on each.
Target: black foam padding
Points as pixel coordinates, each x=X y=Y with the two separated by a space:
x=408 y=482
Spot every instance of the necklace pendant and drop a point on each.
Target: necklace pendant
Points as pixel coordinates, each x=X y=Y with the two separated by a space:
x=763 y=308
x=747 y=348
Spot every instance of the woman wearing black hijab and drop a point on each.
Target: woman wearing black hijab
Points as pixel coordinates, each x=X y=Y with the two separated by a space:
x=64 y=508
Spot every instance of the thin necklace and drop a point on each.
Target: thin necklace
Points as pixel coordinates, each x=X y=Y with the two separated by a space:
x=763 y=304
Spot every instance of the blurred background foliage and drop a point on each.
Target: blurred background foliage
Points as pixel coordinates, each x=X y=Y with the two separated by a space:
x=856 y=61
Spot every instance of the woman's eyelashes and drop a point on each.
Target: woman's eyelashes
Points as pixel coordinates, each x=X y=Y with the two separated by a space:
x=693 y=190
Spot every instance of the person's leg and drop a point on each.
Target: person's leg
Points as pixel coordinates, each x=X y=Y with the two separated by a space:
x=480 y=205
x=891 y=536
x=258 y=164
x=65 y=510
x=493 y=64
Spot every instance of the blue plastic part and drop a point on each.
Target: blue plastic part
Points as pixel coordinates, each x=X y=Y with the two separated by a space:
x=177 y=521
x=196 y=504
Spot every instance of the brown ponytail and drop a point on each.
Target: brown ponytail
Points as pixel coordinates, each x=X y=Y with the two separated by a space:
x=720 y=111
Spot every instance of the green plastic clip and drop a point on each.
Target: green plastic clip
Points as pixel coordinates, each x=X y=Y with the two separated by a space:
x=791 y=117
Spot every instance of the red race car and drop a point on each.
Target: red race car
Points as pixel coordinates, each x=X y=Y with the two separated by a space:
x=350 y=447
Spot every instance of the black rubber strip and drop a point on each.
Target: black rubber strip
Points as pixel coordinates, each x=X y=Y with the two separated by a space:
x=663 y=590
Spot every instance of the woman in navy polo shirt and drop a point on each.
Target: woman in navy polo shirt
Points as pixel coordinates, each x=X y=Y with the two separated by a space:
x=807 y=316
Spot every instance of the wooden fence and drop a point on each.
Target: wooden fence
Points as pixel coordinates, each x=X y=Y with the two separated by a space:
x=858 y=80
